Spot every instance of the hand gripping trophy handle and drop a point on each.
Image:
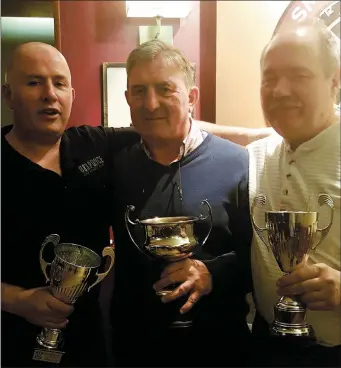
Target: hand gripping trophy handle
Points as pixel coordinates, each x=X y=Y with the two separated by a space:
x=325 y=199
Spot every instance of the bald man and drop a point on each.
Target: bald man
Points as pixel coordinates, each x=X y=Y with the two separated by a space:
x=53 y=182
x=300 y=76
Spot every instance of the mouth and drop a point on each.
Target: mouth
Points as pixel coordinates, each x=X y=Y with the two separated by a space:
x=155 y=118
x=52 y=112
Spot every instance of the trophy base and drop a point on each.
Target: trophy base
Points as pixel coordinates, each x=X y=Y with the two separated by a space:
x=47 y=355
x=290 y=319
x=49 y=340
x=180 y=320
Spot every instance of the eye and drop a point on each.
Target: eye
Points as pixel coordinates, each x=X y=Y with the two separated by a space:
x=32 y=83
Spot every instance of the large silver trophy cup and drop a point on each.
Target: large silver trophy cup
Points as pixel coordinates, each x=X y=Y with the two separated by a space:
x=291 y=235
x=169 y=239
x=73 y=272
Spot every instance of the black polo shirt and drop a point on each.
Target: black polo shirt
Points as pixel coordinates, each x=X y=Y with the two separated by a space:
x=36 y=202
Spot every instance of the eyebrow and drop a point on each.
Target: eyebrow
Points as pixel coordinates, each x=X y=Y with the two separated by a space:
x=37 y=76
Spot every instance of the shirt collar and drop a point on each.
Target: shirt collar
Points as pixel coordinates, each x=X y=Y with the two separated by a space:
x=194 y=138
x=325 y=137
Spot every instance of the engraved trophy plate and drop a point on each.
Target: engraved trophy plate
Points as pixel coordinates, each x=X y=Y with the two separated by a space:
x=291 y=236
x=169 y=239
x=72 y=273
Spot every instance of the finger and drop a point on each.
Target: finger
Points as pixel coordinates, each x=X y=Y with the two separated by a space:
x=59 y=307
x=314 y=297
x=298 y=275
x=192 y=300
x=181 y=290
x=302 y=287
x=319 y=306
x=50 y=324
x=173 y=267
x=173 y=278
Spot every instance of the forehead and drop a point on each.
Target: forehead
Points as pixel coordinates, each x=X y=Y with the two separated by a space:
x=155 y=71
x=292 y=52
x=42 y=63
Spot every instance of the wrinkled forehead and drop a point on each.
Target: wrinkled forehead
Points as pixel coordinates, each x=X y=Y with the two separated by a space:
x=157 y=70
x=292 y=51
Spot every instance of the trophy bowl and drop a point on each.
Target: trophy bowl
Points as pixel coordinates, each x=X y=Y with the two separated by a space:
x=291 y=236
x=169 y=239
x=73 y=271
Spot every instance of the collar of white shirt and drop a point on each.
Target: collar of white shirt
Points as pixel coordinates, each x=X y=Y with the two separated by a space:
x=194 y=138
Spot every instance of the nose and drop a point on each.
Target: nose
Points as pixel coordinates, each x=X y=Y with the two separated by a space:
x=151 y=101
x=282 y=88
x=49 y=92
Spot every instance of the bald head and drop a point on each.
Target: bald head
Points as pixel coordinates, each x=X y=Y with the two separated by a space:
x=314 y=34
x=30 y=52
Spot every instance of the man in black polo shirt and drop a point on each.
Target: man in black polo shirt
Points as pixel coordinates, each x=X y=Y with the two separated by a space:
x=52 y=182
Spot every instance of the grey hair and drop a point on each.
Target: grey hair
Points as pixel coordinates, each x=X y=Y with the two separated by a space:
x=329 y=43
x=152 y=49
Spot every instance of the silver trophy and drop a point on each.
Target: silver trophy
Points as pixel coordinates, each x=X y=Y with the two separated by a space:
x=291 y=235
x=169 y=239
x=73 y=272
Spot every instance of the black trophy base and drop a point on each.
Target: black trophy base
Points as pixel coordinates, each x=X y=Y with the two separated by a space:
x=47 y=355
x=177 y=320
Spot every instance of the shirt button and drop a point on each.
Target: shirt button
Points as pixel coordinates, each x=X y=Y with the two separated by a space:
x=291 y=162
x=288 y=176
x=285 y=191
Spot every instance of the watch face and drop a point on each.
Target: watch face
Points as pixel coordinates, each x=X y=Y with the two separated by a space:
x=328 y=11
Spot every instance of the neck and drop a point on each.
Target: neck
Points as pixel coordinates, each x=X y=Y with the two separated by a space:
x=164 y=152
x=332 y=118
x=44 y=152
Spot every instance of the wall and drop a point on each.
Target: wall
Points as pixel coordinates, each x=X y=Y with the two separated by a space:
x=243 y=29
x=93 y=32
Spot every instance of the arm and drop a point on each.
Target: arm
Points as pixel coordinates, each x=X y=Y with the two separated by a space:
x=239 y=135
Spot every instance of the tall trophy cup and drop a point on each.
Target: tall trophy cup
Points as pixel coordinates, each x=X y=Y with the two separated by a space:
x=291 y=235
x=169 y=239
x=73 y=272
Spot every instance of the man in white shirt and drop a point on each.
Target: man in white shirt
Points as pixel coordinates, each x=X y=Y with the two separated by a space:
x=300 y=71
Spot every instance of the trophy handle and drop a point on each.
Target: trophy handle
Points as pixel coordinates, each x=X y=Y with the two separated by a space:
x=322 y=200
x=201 y=217
x=259 y=200
x=107 y=251
x=129 y=221
x=54 y=239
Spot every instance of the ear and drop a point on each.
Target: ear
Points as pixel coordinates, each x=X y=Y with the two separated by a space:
x=193 y=97
x=126 y=93
x=7 y=93
x=73 y=94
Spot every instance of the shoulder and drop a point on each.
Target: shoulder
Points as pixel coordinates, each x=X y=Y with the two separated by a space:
x=87 y=132
x=227 y=149
x=266 y=145
x=115 y=138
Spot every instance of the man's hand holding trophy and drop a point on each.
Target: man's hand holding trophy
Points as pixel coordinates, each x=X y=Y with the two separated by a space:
x=73 y=271
x=171 y=241
x=291 y=236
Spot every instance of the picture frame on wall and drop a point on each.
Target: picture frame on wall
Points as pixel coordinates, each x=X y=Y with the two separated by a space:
x=115 y=109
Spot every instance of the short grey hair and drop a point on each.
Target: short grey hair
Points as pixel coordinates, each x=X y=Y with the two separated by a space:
x=153 y=49
x=329 y=43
